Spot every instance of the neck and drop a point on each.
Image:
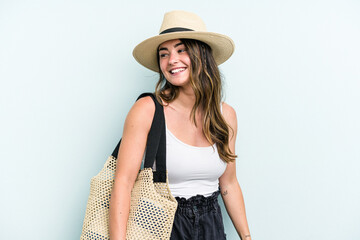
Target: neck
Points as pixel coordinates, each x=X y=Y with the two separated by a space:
x=184 y=103
x=186 y=98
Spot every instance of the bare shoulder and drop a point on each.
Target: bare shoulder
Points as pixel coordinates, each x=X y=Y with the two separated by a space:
x=142 y=112
x=229 y=114
x=144 y=105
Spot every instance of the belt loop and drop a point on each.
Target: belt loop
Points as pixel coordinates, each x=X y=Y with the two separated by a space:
x=216 y=206
x=194 y=208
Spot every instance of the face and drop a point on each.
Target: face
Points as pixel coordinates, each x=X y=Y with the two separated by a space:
x=175 y=62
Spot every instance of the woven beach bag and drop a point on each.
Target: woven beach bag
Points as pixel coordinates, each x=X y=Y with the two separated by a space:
x=152 y=207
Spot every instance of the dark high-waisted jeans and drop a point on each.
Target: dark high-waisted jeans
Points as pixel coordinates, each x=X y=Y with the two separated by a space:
x=198 y=218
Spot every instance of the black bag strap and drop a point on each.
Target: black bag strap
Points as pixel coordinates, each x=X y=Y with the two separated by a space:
x=156 y=142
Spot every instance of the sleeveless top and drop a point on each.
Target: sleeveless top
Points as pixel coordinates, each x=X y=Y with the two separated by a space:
x=192 y=170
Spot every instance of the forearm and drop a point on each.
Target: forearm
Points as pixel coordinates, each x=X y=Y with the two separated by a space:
x=119 y=212
x=235 y=206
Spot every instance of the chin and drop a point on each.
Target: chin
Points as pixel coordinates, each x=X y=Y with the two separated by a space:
x=179 y=83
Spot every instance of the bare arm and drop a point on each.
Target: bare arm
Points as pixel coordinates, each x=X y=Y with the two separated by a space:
x=229 y=185
x=132 y=147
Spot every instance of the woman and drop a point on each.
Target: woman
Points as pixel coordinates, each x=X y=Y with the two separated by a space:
x=200 y=131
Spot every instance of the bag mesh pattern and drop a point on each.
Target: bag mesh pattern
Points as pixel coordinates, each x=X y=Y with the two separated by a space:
x=152 y=207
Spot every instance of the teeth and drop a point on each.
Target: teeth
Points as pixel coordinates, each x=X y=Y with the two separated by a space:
x=177 y=70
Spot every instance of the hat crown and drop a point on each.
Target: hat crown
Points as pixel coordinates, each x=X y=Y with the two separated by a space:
x=182 y=19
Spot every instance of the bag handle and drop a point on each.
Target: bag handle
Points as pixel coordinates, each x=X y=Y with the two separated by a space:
x=156 y=142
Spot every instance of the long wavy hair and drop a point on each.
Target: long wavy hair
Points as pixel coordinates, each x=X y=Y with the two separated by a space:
x=206 y=82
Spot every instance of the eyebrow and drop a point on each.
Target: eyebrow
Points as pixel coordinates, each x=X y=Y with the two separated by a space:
x=175 y=46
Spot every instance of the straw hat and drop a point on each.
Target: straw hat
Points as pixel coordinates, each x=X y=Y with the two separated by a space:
x=181 y=24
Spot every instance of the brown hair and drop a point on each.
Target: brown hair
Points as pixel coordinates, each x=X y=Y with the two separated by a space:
x=206 y=82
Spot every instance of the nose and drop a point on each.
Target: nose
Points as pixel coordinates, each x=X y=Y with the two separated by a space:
x=173 y=58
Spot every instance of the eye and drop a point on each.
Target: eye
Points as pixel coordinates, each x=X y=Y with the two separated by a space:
x=181 y=50
x=162 y=55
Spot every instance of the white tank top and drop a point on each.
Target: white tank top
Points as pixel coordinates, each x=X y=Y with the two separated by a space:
x=192 y=170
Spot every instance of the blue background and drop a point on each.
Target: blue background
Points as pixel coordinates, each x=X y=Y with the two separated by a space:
x=68 y=78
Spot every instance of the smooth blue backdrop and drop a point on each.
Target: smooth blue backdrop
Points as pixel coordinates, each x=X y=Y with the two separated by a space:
x=68 y=78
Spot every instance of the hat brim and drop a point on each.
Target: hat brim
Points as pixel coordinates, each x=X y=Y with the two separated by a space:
x=145 y=53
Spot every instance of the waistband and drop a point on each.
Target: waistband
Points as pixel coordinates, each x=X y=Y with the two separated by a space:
x=198 y=203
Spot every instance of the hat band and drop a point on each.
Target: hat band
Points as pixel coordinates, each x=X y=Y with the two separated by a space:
x=176 y=29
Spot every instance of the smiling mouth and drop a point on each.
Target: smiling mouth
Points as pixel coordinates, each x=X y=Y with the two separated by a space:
x=177 y=70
